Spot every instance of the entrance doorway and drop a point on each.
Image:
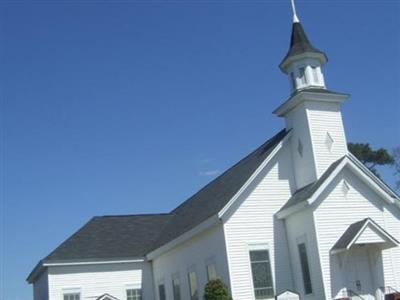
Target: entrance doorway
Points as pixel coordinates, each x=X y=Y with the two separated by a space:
x=359 y=272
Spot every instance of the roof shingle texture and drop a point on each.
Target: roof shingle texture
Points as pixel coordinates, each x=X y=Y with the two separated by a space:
x=299 y=43
x=306 y=192
x=110 y=237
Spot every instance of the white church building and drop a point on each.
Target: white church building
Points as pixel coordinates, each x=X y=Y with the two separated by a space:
x=299 y=213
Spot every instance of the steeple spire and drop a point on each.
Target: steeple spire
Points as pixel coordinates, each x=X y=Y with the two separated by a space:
x=303 y=62
x=295 y=18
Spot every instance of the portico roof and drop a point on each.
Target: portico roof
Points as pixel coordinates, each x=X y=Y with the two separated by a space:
x=365 y=231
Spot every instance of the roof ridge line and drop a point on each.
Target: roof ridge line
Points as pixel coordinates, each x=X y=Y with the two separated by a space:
x=133 y=215
x=227 y=170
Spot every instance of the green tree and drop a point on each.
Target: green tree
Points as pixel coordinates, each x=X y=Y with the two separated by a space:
x=369 y=157
x=216 y=290
x=396 y=156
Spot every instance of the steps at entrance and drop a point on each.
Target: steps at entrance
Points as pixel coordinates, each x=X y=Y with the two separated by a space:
x=393 y=296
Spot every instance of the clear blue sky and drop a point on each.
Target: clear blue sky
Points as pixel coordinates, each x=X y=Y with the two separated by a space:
x=131 y=107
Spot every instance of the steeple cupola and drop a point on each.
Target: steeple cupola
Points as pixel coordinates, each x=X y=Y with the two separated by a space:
x=303 y=63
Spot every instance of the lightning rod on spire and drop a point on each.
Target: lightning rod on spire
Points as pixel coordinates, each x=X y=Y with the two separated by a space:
x=295 y=18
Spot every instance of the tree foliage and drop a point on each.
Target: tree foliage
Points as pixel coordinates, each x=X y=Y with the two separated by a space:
x=396 y=157
x=216 y=290
x=371 y=158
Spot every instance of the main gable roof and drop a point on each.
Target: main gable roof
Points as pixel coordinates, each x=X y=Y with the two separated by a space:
x=111 y=237
x=116 y=237
x=211 y=199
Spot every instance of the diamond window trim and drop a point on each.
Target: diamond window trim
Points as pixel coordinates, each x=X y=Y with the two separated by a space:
x=345 y=188
x=329 y=141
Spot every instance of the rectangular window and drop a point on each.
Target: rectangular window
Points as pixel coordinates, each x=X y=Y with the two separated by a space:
x=194 y=294
x=176 y=289
x=305 y=268
x=293 y=81
x=134 y=294
x=303 y=77
x=262 y=275
x=161 y=291
x=211 y=272
x=72 y=296
x=315 y=74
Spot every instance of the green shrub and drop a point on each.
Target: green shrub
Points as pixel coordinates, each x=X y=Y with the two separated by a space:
x=216 y=290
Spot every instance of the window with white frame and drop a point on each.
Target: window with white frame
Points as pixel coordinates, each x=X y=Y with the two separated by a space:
x=211 y=269
x=161 y=291
x=192 y=278
x=72 y=296
x=134 y=294
x=176 y=287
x=262 y=274
x=305 y=268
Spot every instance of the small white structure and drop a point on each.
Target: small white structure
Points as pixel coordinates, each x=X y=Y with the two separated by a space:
x=288 y=295
x=300 y=213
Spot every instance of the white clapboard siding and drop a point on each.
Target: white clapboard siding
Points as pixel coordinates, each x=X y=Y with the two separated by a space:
x=336 y=212
x=253 y=222
x=369 y=236
x=95 y=280
x=326 y=118
x=303 y=163
x=194 y=254
x=392 y=222
x=301 y=229
x=41 y=287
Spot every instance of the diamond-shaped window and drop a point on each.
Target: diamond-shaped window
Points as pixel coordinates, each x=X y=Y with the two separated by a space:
x=300 y=148
x=329 y=141
x=345 y=188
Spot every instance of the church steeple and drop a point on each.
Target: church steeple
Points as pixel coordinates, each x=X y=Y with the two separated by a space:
x=312 y=112
x=303 y=62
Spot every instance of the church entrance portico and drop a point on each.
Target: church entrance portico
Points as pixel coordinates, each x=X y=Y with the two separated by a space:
x=360 y=270
x=358 y=256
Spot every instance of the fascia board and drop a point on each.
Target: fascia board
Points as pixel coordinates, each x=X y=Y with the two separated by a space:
x=357 y=235
x=381 y=231
x=371 y=183
x=325 y=184
x=305 y=95
x=364 y=177
x=98 y=262
x=288 y=211
x=372 y=175
x=224 y=211
x=291 y=210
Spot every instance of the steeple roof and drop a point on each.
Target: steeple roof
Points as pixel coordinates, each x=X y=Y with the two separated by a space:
x=299 y=44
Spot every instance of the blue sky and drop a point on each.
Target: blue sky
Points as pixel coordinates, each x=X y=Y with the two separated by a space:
x=132 y=106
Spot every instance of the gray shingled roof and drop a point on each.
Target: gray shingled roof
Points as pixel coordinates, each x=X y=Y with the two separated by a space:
x=349 y=234
x=131 y=236
x=214 y=196
x=306 y=192
x=111 y=237
x=353 y=230
x=299 y=44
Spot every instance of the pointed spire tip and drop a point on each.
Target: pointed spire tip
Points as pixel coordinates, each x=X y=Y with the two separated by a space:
x=295 y=17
